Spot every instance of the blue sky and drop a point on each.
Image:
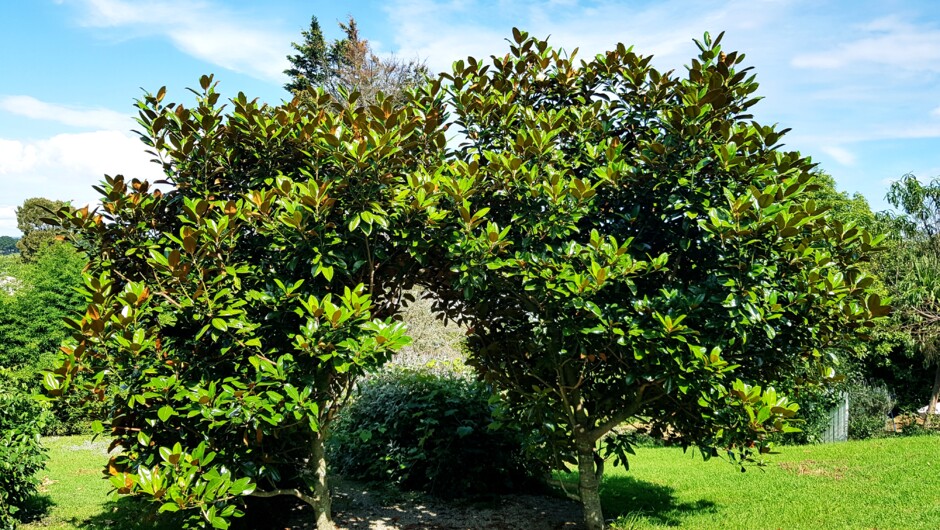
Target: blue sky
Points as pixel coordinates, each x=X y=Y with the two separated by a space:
x=858 y=81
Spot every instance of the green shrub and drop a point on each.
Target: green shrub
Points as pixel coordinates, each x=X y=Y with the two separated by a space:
x=869 y=406
x=430 y=432
x=21 y=455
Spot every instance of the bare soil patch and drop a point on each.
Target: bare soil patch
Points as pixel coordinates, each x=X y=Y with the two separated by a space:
x=816 y=469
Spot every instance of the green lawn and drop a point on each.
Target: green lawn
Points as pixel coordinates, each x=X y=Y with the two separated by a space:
x=74 y=494
x=884 y=484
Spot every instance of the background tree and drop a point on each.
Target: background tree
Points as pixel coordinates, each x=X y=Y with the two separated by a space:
x=349 y=65
x=228 y=319
x=913 y=272
x=8 y=245
x=312 y=65
x=32 y=327
x=31 y=221
x=848 y=209
x=627 y=244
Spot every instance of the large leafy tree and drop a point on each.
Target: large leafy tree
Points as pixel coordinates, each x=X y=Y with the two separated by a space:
x=913 y=270
x=628 y=244
x=230 y=311
x=348 y=68
x=32 y=220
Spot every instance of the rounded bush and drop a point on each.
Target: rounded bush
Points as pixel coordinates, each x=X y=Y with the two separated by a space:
x=430 y=432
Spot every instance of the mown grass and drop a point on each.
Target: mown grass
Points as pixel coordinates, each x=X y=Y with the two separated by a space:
x=885 y=483
x=882 y=483
x=74 y=494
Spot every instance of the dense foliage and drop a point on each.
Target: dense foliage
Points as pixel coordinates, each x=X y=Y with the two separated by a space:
x=430 y=432
x=41 y=294
x=869 y=407
x=21 y=455
x=230 y=312
x=628 y=244
x=31 y=326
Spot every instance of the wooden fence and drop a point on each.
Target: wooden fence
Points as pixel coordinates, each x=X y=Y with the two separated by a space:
x=838 y=430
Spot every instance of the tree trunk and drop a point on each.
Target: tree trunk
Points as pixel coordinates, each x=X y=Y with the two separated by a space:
x=589 y=481
x=934 y=397
x=321 y=490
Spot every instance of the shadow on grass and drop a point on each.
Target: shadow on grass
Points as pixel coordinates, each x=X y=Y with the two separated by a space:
x=623 y=497
x=627 y=497
x=36 y=508
x=130 y=513
x=140 y=514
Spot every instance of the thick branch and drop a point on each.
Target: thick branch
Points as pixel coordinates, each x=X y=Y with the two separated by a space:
x=292 y=492
x=620 y=416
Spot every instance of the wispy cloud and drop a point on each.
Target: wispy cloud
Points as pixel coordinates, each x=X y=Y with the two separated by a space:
x=888 y=41
x=839 y=154
x=208 y=31
x=935 y=112
x=92 y=118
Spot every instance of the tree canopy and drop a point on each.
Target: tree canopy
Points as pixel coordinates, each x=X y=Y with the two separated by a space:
x=8 y=245
x=629 y=244
x=914 y=271
x=31 y=220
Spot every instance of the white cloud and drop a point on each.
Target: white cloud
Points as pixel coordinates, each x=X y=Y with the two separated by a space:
x=8 y=220
x=935 y=112
x=65 y=166
x=208 y=32
x=839 y=154
x=16 y=156
x=870 y=132
x=887 y=42
x=93 y=118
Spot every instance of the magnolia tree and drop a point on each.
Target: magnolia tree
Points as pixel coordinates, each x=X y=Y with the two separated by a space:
x=627 y=244
x=231 y=309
